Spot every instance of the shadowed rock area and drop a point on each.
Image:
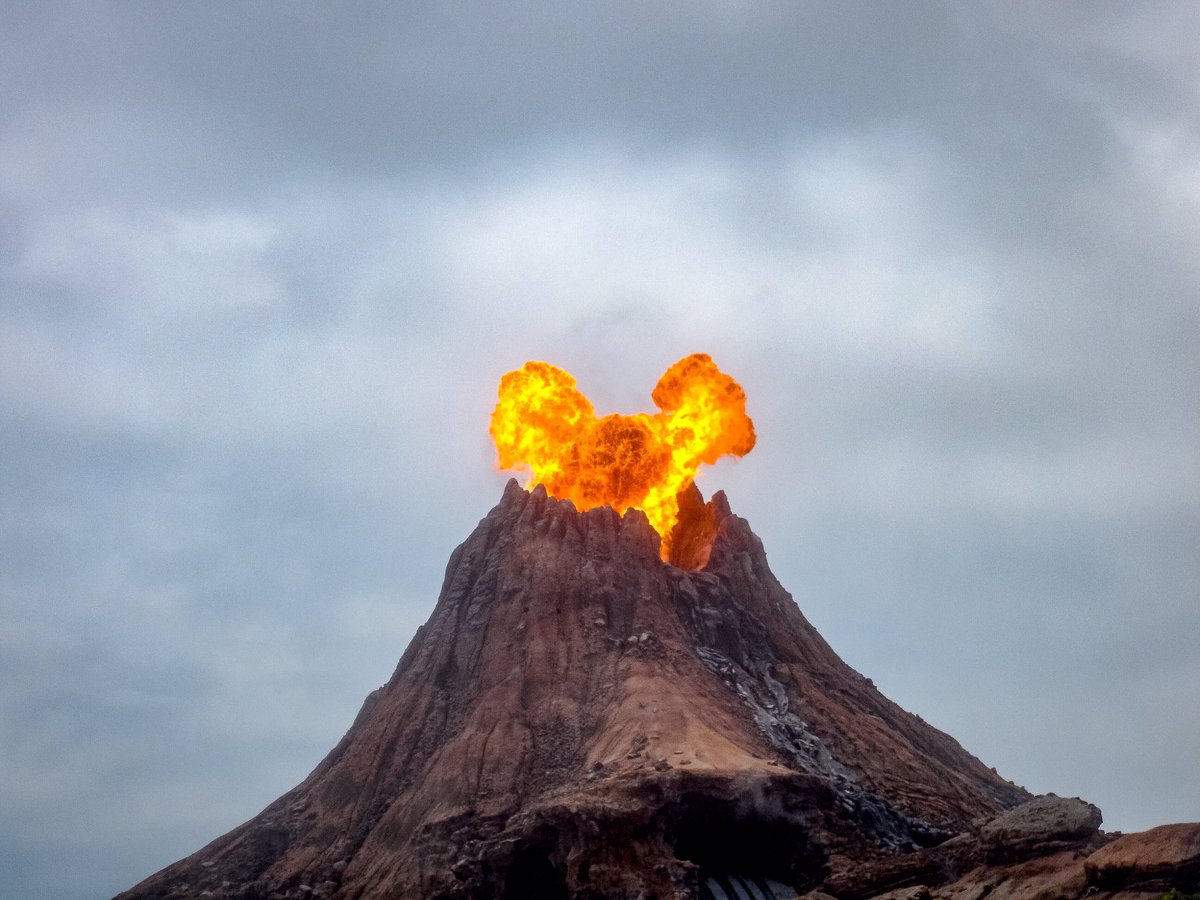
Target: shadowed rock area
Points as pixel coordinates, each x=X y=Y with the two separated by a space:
x=579 y=719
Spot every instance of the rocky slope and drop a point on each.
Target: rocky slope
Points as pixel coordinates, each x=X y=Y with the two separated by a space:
x=580 y=719
x=1050 y=848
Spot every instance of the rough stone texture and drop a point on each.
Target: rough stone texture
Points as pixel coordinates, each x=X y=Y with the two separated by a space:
x=1043 y=825
x=1047 y=849
x=1057 y=876
x=1156 y=860
x=580 y=719
x=916 y=892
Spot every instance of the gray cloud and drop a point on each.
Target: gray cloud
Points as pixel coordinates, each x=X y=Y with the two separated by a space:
x=261 y=268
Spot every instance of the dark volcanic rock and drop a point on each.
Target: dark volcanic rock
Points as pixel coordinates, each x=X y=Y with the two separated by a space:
x=580 y=719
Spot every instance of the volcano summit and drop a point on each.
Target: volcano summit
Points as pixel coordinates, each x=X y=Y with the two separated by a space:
x=579 y=718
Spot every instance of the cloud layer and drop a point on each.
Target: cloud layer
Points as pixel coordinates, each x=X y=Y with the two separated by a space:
x=261 y=268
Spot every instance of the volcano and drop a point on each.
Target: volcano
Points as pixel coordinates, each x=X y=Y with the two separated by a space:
x=580 y=718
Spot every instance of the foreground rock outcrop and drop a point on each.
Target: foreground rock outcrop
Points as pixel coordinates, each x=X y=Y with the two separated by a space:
x=1048 y=848
x=580 y=719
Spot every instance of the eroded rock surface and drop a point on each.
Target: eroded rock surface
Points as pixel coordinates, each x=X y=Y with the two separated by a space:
x=580 y=719
x=1050 y=848
x=1160 y=859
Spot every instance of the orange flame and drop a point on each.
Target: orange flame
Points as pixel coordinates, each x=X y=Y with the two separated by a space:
x=542 y=422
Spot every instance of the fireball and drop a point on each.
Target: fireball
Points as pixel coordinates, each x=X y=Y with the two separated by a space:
x=543 y=423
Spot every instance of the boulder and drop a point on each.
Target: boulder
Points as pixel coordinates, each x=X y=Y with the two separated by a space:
x=1043 y=825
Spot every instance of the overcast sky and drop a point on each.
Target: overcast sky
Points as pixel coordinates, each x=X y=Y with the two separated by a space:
x=262 y=265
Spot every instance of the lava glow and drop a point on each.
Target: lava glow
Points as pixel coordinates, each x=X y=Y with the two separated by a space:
x=545 y=424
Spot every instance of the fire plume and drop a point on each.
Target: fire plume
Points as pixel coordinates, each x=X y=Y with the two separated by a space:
x=544 y=423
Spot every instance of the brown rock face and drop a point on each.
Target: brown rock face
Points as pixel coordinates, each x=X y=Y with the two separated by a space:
x=1156 y=860
x=1050 y=848
x=1038 y=844
x=580 y=719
